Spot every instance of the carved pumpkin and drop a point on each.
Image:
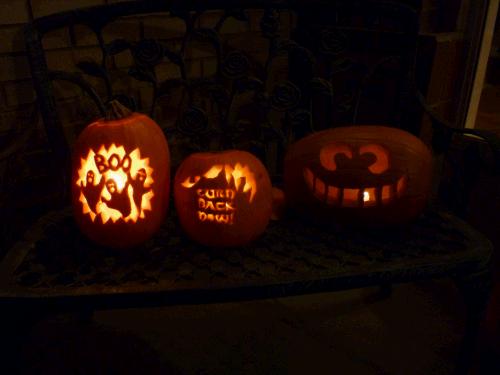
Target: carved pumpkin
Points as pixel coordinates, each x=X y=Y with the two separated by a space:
x=223 y=198
x=120 y=178
x=359 y=174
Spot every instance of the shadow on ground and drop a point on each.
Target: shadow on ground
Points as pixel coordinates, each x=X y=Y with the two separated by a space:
x=414 y=331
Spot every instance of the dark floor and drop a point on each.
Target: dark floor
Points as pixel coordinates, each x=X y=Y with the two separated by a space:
x=488 y=116
x=414 y=331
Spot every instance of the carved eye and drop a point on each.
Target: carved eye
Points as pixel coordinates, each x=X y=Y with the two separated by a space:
x=381 y=163
x=111 y=185
x=141 y=174
x=90 y=177
x=329 y=152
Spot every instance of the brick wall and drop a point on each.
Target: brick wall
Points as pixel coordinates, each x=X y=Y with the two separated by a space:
x=66 y=47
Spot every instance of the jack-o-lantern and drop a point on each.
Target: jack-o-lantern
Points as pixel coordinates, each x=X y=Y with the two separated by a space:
x=120 y=178
x=223 y=198
x=371 y=175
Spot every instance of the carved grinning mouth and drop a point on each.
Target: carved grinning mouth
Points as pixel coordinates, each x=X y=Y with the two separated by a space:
x=371 y=196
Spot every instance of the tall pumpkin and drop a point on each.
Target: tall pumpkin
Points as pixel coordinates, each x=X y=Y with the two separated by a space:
x=120 y=178
x=223 y=198
x=370 y=175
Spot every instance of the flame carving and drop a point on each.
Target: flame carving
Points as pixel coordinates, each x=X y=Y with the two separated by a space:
x=239 y=175
x=115 y=185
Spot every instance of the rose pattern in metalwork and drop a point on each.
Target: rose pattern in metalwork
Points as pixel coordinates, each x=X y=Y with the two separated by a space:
x=193 y=121
x=249 y=84
x=332 y=42
x=148 y=52
x=262 y=99
x=301 y=122
x=317 y=57
x=219 y=94
x=285 y=96
x=235 y=65
x=321 y=86
x=288 y=250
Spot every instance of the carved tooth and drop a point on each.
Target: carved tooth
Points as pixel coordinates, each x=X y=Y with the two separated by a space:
x=378 y=195
x=341 y=196
x=309 y=178
x=401 y=186
x=386 y=194
x=351 y=198
x=370 y=199
x=320 y=188
x=361 y=193
x=332 y=196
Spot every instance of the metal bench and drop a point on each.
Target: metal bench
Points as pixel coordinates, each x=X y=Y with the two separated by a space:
x=345 y=63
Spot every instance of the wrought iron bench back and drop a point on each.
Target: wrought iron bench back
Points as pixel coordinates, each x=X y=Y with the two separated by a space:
x=303 y=66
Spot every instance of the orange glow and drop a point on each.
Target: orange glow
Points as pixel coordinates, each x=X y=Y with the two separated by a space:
x=333 y=194
x=350 y=198
x=320 y=187
x=369 y=197
x=214 y=171
x=401 y=187
x=381 y=163
x=329 y=152
x=386 y=193
x=189 y=184
x=115 y=185
x=239 y=176
x=309 y=177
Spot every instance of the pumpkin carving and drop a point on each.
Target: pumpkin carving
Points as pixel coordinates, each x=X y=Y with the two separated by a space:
x=372 y=175
x=223 y=198
x=120 y=178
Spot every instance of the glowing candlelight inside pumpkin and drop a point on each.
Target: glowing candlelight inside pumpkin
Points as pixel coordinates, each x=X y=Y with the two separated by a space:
x=366 y=196
x=240 y=174
x=115 y=185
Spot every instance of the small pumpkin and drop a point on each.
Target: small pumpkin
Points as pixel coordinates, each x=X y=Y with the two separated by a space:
x=223 y=198
x=120 y=178
x=372 y=175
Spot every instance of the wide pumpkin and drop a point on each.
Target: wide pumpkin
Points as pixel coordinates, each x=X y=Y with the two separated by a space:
x=223 y=198
x=120 y=178
x=369 y=175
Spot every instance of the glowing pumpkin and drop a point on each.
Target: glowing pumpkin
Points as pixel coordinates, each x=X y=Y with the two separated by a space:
x=360 y=174
x=223 y=198
x=120 y=178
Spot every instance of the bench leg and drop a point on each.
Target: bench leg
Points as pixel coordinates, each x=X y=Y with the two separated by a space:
x=476 y=291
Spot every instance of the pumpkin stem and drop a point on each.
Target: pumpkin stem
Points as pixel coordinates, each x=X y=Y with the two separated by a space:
x=117 y=111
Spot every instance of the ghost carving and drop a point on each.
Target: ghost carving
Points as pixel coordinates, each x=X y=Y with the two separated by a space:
x=115 y=185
